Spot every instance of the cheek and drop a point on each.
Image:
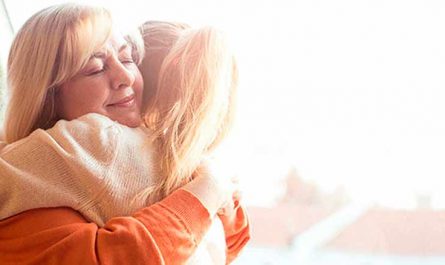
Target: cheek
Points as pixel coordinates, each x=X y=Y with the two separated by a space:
x=78 y=100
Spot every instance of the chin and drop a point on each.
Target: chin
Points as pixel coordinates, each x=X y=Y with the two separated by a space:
x=131 y=122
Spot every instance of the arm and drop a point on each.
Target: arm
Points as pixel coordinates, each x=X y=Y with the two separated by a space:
x=84 y=164
x=234 y=220
x=164 y=233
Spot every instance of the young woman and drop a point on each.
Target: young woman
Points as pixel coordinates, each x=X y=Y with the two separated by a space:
x=103 y=168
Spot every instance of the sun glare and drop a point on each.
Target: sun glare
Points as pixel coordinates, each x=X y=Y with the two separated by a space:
x=347 y=92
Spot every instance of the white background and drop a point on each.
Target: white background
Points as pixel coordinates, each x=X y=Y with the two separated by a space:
x=350 y=92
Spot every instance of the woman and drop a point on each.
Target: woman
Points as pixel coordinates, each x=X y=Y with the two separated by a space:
x=177 y=235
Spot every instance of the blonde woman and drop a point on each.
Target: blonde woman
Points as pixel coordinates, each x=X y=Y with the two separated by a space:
x=90 y=164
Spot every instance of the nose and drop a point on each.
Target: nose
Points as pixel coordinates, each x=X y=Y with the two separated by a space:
x=121 y=76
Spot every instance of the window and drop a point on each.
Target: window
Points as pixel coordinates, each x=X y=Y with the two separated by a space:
x=6 y=32
x=340 y=136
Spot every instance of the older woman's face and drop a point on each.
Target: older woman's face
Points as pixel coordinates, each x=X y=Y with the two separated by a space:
x=110 y=84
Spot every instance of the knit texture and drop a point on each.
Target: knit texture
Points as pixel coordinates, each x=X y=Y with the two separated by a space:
x=93 y=165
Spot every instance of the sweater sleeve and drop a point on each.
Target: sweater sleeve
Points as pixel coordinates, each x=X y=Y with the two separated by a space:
x=237 y=231
x=68 y=165
x=167 y=232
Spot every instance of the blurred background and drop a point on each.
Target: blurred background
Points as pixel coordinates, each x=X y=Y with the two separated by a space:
x=339 y=142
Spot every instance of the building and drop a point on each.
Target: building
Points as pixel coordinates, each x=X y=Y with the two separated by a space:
x=305 y=229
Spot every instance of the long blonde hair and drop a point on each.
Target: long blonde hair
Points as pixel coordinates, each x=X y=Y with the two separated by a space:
x=190 y=83
x=50 y=48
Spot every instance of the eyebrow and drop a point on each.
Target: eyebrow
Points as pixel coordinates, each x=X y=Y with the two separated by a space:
x=103 y=55
x=124 y=47
x=99 y=55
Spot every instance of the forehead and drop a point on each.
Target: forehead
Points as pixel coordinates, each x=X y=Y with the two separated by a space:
x=114 y=43
x=117 y=40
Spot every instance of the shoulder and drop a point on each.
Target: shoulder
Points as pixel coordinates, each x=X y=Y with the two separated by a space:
x=86 y=132
x=89 y=122
x=91 y=133
x=98 y=124
x=100 y=136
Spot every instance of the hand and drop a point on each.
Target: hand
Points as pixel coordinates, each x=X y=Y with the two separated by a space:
x=229 y=208
x=215 y=191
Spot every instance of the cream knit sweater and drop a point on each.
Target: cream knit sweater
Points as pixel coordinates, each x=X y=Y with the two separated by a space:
x=93 y=165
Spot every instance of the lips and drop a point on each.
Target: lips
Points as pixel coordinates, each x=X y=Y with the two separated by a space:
x=123 y=102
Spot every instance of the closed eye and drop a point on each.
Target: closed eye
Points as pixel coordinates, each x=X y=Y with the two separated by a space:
x=127 y=60
x=96 y=72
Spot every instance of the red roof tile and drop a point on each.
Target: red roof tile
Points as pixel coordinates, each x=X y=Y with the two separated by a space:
x=397 y=232
x=278 y=226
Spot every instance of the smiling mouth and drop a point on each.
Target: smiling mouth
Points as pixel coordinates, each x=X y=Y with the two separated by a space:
x=124 y=102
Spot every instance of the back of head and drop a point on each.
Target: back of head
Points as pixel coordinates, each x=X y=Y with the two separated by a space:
x=51 y=47
x=159 y=37
x=191 y=78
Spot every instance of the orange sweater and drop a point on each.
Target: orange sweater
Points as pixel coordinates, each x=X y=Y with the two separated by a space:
x=95 y=166
x=164 y=233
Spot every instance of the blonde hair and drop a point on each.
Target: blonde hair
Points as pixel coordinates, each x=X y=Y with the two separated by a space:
x=190 y=82
x=50 y=48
